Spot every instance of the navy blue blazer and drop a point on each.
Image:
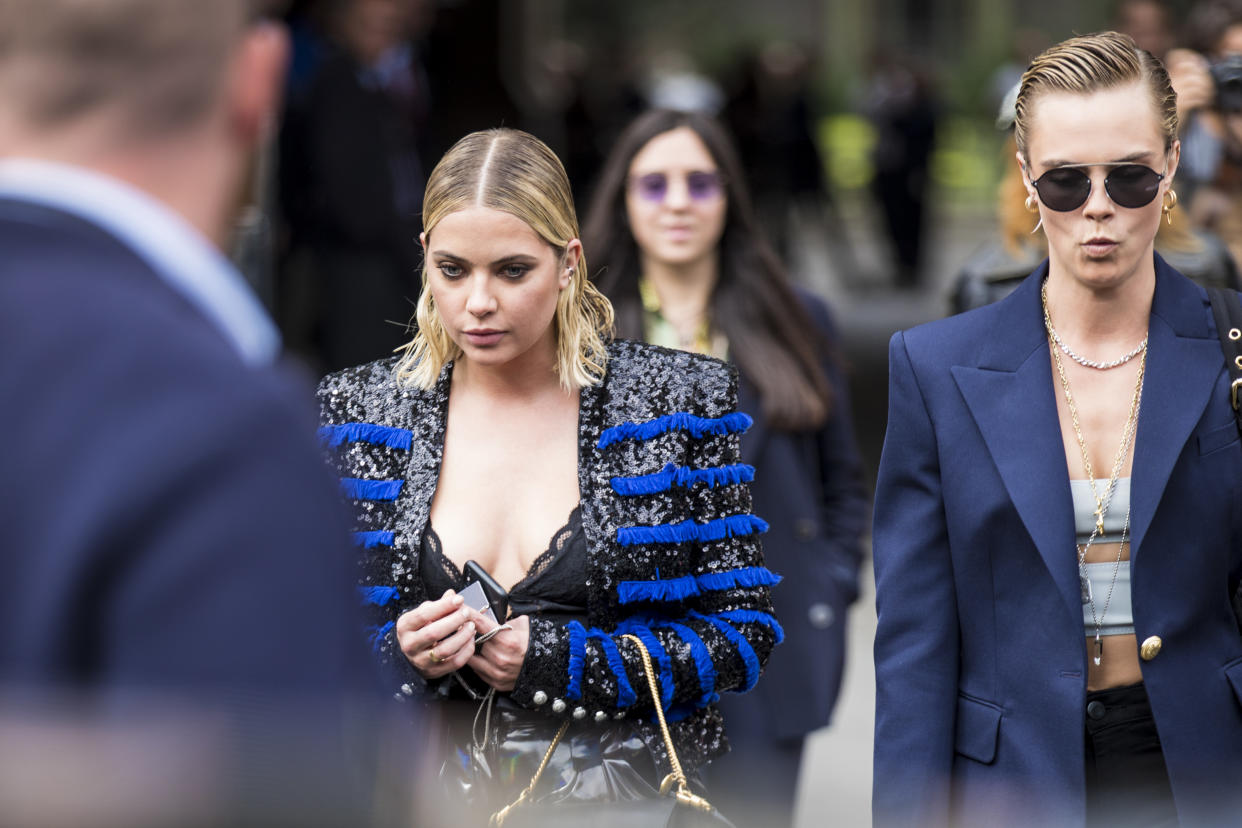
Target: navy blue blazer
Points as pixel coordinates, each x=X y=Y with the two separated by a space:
x=809 y=487
x=167 y=521
x=980 y=656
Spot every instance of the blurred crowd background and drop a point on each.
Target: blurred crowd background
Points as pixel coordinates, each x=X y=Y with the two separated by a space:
x=874 y=133
x=870 y=131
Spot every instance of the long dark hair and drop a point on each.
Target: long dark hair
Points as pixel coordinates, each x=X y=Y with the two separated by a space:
x=771 y=337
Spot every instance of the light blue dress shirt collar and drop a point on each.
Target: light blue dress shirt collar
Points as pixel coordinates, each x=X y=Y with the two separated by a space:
x=176 y=251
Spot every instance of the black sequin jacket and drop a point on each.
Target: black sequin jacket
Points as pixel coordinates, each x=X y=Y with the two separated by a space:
x=673 y=552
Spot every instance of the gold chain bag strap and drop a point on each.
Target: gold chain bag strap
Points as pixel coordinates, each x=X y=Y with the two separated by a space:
x=677 y=777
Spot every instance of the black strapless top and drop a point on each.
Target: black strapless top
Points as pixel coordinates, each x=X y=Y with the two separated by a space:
x=554 y=587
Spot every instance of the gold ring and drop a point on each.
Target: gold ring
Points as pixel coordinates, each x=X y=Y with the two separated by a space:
x=431 y=654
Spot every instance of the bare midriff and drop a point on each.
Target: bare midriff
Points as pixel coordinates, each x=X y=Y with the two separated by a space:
x=1119 y=659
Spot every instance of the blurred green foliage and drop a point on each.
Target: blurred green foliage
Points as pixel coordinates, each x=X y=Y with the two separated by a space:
x=965 y=166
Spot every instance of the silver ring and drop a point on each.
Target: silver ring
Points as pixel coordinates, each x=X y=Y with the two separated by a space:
x=479 y=641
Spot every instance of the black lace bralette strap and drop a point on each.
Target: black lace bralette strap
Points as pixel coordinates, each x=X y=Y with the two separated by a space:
x=437 y=572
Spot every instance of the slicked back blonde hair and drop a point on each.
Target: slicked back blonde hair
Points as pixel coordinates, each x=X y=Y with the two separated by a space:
x=1088 y=64
x=516 y=173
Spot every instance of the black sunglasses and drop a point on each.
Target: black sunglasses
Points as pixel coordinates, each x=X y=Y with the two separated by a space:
x=1066 y=188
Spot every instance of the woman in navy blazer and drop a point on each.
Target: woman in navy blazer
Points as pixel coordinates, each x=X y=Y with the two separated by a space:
x=684 y=265
x=995 y=705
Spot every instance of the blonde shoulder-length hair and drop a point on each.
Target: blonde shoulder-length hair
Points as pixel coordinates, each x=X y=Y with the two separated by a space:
x=515 y=172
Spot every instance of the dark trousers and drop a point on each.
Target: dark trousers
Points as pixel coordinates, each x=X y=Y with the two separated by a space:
x=1127 y=781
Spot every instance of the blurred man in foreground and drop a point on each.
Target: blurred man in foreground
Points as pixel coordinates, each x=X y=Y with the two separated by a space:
x=176 y=621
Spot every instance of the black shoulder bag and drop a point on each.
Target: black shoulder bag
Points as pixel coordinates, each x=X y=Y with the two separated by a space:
x=1227 y=310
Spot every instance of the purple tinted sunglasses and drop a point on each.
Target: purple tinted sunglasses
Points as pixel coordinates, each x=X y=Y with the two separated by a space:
x=701 y=186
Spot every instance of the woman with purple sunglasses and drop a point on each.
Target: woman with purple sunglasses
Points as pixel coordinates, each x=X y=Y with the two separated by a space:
x=685 y=266
x=1056 y=534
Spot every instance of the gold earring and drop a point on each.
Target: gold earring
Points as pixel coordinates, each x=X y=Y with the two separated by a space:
x=1031 y=207
x=1167 y=206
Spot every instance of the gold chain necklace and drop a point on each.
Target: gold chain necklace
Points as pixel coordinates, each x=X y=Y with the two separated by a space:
x=1102 y=502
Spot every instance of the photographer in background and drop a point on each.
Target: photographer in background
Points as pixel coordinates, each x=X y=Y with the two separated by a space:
x=1208 y=80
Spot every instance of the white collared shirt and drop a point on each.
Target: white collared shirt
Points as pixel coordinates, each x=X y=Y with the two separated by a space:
x=176 y=251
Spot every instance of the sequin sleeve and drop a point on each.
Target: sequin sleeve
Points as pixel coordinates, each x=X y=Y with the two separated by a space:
x=368 y=444
x=685 y=571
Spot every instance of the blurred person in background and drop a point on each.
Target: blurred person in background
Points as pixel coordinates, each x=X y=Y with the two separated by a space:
x=175 y=641
x=352 y=171
x=1147 y=23
x=902 y=108
x=681 y=257
x=1208 y=80
x=595 y=482
x=1000 y=264
x=1055 y=541
x=769 y=113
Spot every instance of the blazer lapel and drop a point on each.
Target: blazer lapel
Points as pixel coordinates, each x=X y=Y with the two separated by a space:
x=1010 y=397
x=428 y=419
x=1183 y=362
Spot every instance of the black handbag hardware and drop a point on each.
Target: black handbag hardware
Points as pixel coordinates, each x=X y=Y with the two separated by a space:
x=1227 y=310
x=676 y=778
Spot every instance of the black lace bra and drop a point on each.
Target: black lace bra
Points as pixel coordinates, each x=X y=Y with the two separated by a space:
x=554 y=586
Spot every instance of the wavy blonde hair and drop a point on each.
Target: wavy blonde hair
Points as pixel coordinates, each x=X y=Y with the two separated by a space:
x=1090 y=63
x=516 y=173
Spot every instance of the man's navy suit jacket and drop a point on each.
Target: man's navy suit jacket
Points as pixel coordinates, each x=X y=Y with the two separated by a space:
x=166 y=522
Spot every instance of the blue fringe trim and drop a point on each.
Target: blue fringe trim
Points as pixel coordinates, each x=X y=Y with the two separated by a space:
x=679 y=589
x=688 y=530
x=743 y=616
x=625 y=691
x=635 y=625
x=367 y=540
x=674 y=589
x=683 y=476
x=750 y=576
x=377 y=635
x=379 y=595
x=577 y=657
x=358 y=489
x=398 y=438
x=666 y=664
x=739 y=642
x=696 y=427
x=702 y=661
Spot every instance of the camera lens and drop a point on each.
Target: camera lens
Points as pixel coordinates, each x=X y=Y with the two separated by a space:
x=1227 y=78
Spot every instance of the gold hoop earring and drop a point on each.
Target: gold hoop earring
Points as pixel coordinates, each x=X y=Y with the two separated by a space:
x=1167 y=206
x=1032 y=207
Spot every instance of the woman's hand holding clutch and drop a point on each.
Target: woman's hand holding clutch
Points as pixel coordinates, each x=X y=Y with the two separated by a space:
x=437 y=636
x=499 y=659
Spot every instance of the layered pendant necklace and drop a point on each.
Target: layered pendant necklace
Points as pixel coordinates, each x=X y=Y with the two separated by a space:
x=1102 y=499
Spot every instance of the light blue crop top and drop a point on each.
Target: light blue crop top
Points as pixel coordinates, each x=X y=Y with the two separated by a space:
x=1119 y=617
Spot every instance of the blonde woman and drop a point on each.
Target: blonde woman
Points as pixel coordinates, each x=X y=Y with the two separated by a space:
x=1056 y=535
x=597 y=482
